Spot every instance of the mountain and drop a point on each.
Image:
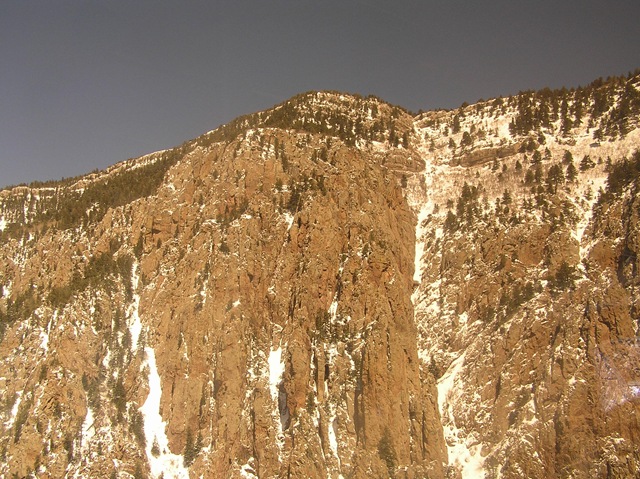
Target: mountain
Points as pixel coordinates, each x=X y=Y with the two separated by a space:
x=336 y=287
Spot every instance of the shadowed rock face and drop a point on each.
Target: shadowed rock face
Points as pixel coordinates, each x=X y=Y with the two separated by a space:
x=331 y=288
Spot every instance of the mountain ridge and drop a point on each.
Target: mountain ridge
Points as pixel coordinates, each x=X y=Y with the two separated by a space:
x=335 y=288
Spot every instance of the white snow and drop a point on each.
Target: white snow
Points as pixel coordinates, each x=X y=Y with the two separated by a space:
x=417 y=272
x=463 y=450
x=14 y=411
x=446 y=385
x=467 y=459
x=3 y=224
x=203 y=291
x=333 y=309
x=165 y=464
x=135 y=325
x=107 y=359
x=276 y=370
x=44 y=335
x=7 y=289
x=331 y=432
x=44 y=341
x=247 y=470
x=288 y=217
x=88 y=429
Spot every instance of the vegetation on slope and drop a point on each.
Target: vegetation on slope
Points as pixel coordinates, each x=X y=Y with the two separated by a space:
x=608 y=106
x=68 y=207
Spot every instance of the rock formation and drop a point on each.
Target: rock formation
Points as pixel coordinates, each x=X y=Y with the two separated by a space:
x=335 y=288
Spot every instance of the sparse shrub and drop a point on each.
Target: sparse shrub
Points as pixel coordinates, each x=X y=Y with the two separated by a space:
x=21 y=418
x=564 y=277
x=586 y=163
x=386 y=451
x=451 y=222
x=191 y=448
x=155 y=448
x=136 y=426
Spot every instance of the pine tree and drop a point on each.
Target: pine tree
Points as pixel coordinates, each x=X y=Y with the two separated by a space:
x=529 y=177
x=536 y=159
x=466 y=140
x=564 y=277
x=572 y=172
x=586 y=163
x=455 y=128
x=567 y=157
x=190 y=451
x=555 y=177
x=518 y=166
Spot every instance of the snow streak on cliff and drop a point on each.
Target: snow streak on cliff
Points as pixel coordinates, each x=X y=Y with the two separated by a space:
x=335 y=288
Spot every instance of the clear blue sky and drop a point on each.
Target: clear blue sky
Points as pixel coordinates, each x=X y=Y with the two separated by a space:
x=87 y=83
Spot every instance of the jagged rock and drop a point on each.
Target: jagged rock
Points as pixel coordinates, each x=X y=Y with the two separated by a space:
x=330 y=288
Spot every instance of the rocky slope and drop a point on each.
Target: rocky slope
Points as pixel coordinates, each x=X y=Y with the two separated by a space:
x=527 y=306
x=335 y=288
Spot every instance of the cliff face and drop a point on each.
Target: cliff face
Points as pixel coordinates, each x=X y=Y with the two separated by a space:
x=527 y=307
x=334 y=288
x=253 y=318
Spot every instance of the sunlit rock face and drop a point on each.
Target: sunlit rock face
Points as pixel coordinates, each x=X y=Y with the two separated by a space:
x=335 y=288
x=250 y=318
x=527 y=304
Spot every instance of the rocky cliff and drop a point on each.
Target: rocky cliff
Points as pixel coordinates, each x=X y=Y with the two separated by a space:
x=335 y=288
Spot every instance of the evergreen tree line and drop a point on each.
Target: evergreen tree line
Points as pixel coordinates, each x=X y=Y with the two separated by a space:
x=348 y=123
x=65 y=209
x=537 y=110
x=623 y=173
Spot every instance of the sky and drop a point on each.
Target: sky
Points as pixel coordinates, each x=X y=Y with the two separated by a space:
x=88 y=83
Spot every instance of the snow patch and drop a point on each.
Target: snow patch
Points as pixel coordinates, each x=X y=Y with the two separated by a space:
x=247 y=470
x=333 y=309
x=6 y=289
x=135 y=325
x=445 y=387
x=14 y=411
x=203 y=291
x=276 y=370
x=44 y=334
x=331 y=432
x=422 y=216
x=88 y=429
x=288 y=217
x=164 y=463
x=463 y=450
x=467 y=459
